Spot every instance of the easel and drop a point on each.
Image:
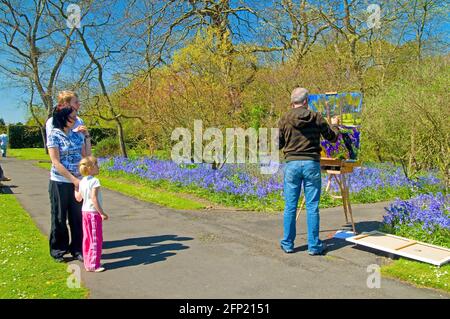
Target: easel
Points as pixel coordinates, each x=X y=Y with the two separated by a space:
x=337 y=169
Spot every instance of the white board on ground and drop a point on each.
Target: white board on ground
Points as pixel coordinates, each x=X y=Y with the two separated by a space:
x=403 y=247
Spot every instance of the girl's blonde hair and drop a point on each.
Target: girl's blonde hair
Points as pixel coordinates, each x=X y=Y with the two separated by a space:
x=87 y=164
x=65 y=97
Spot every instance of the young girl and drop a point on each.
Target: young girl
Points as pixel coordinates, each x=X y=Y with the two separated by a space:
x=93 y=214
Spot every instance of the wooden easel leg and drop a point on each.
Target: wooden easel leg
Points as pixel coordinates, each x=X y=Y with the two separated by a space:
x=344 y=199
x=349 y=206
x=299 y=210
x=327 y=189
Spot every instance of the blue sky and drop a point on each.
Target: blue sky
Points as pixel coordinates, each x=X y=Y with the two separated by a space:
x=12 y=106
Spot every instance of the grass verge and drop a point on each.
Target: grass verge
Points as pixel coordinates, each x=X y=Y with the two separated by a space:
x=419 y=274
x=27 y=270
x=148 y=194
x=37 y=154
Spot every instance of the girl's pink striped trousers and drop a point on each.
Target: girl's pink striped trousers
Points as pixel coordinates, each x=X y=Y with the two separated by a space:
x=92 y=240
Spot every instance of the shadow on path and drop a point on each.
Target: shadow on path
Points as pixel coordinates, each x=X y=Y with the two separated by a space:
x=154 y=250
x=6 y=189
x=338 y=243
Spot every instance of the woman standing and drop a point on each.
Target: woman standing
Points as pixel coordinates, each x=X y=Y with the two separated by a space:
x=66 y=150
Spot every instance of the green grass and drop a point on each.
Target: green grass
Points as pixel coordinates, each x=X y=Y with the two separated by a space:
x=139 y=190
x=27 y=270
x=148 y=194
x=419 y=274
x=47 y=166
x=37 y=154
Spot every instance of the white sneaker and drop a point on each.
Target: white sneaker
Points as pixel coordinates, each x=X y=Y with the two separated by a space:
x=99 y=269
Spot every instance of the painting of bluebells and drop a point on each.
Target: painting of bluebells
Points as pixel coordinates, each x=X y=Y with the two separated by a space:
x=347 y=145
x=348 y=107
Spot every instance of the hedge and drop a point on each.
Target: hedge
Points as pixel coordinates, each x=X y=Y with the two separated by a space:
x=24 y=136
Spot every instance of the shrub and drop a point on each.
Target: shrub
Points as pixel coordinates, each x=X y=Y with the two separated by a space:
x=407 y=121
x=107 y=147
x=100 y=133
x=22 y=136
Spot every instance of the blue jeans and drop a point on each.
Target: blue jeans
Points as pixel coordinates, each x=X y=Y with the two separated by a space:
x=307 y=173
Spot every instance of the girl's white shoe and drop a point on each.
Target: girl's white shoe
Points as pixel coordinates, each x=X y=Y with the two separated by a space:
x=99 y=269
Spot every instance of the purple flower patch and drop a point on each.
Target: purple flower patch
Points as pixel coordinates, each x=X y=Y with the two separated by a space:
x=432 y=211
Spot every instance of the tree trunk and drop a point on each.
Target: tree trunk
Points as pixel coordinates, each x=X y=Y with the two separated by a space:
x=44 y=138
x=378 y=153
x=120 y=135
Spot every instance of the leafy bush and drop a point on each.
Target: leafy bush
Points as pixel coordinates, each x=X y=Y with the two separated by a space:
x=408 y=123
x=107 y=147
x=162 y=154
x=22 y=136
x=100 y=133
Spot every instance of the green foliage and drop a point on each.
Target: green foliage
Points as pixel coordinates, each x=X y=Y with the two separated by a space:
x=255 y=116
x=162 y=154
x=107 y=147
x=137 y=152
x=407 y=121
x=379 y=195
x=100 y=133
x=22 y=136
x=40 y=113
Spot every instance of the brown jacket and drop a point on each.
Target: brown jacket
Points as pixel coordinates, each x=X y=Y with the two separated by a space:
x=300 y=131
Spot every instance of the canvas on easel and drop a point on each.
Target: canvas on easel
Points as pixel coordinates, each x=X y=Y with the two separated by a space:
x=347 y=106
